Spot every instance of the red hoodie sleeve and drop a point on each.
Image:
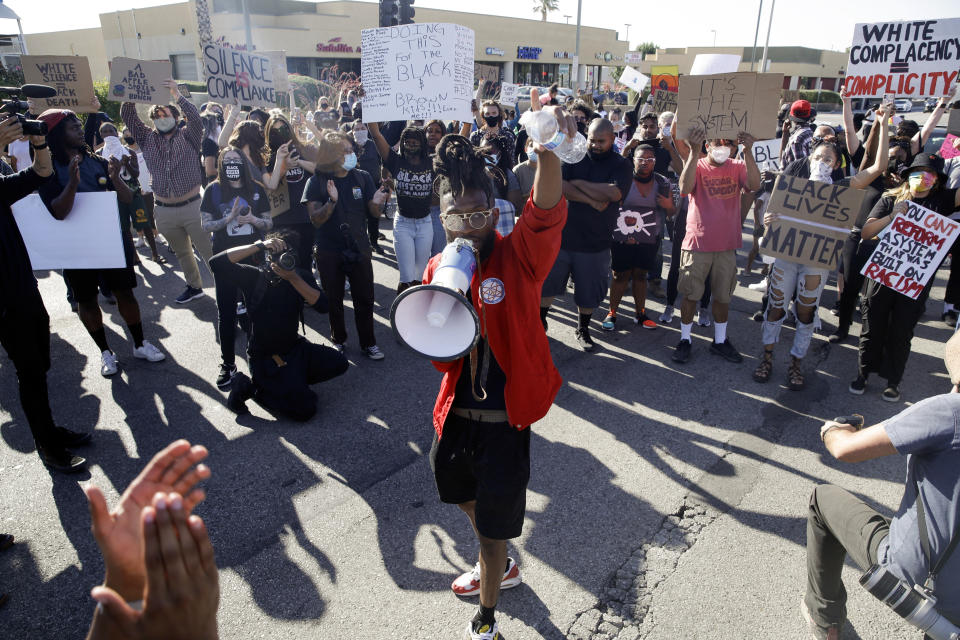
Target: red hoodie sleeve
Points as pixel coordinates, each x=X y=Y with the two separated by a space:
x=536 y=238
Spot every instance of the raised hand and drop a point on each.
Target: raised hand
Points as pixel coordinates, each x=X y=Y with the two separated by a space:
x=10 y=130
x=171 y=84
x=695 y=138
x=746 y=140
x=74 y=170
x=332 y=192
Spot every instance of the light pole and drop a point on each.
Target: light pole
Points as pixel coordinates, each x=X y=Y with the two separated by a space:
x=756 y=34
x=627 y=38
x=714 y=32
x=577 y=54
x=766 y=44
x=567 y=17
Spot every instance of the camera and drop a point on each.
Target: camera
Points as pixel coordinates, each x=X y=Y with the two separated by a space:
x=15 y=106
x=286 y=260
x=913 y=604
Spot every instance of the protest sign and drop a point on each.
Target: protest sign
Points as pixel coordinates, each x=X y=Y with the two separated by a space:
x=767 y=154
x=633 y=57
x=417 y=71
x=911 y=248
x=69 y=75
x=953 y=122
x=664 y=101
x=139 y=80
x=916 y=59
x=706 y=64
x=634 y=79
x=278 y=61
x=184 y=90
x=485 y=78
x=239 y=76
x=666 y=77
x=726 y=104
x=815 y=220
x=947 y=149
x=508 y=93
x=88 y=238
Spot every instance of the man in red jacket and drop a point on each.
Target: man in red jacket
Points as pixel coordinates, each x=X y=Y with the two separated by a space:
x=488 y=400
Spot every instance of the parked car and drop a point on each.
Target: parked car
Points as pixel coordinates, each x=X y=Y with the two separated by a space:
x=903 y=105
x=929 y=105
x=935 y=141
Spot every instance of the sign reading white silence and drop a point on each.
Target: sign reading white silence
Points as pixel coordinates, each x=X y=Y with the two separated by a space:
x=242 y=76
x=417 y=72
x=88 y=238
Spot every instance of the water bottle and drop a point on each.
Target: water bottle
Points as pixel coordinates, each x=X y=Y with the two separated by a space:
x=542 y=128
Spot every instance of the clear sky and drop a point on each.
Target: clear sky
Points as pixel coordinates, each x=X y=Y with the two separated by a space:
x=822 y=24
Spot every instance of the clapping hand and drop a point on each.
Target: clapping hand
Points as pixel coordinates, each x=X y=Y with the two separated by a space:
x=332 y=192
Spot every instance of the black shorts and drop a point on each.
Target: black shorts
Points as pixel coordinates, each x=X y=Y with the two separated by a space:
x=85 y=282
x=487 y=462
x=626 y=257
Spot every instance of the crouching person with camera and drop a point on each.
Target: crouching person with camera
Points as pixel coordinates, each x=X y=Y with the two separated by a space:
x=283 y=364
x=910 y=561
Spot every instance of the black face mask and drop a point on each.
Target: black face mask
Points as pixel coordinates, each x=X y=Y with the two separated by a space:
x=582 y=128
x=279 y=137
x=642 y=179
x=491 y=121
x=233 y=170
x=894 y=166
x=129 y=140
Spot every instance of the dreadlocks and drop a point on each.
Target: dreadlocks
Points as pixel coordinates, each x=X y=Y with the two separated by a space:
x=58 y=148
x=460 y=167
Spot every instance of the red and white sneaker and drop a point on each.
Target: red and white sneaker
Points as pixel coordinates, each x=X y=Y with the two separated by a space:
x=469 y=583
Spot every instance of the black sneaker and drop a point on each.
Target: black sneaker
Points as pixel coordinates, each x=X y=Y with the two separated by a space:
x=858 y=386
x=68 y=438
x=838 y=336
x=189 y=294
x=241 y=390
x=584 y=339
x=682 y=351
x=891 y=393
x=757 y=316
x=726 y=350
x=950 y=317
x=227 y=371
x=60 y=459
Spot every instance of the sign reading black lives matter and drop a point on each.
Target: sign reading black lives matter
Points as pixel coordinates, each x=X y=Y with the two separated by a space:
x=916 y=59
x=814 y=222
x=664 y=101
x=139 y=80
x=246 y=77
x=417 y=72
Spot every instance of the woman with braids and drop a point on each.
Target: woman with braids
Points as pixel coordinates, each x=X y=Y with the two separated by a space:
x=413 y=177
x=481 y=451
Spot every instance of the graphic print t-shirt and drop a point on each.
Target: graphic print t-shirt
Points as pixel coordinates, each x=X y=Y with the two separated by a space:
x=713 y=218
x=219 y=207
x=414 y=185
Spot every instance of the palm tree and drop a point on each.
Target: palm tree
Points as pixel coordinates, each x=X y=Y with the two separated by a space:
x=545 y=7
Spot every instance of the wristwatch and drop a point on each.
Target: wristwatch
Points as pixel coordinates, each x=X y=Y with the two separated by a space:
x=260 y=244
x=38 y=147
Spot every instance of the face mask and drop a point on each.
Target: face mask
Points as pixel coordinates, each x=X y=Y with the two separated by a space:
x=582 y=128
x=492 y=159
x=112 y=148
x=164 y=125
x=894 y=166
x=821 y=171
x=719 y=154
x=921 y=182
x=324 y=106
x=532 y=156
x=666 y=129
x=361 y=137
x=232 y=170
x=491 y=121
x=350 y=161
x=129 y=140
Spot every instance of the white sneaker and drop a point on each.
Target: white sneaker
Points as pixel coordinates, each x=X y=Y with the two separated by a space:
x=758 y=286
x=485 y=632
x=704 y=318
x=108 y=364
x=667 y=316
x=138 y=242
x=468 y=584
x=149 y=352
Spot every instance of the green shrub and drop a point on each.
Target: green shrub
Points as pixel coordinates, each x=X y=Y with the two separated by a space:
x=823 y=97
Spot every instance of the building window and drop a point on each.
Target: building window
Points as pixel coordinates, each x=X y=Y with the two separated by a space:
x=184 y=66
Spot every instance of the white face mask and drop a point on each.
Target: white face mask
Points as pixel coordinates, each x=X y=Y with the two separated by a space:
x=112 y=148
x=164 y=125
x=360 y=135
x=821 y=171
x=719 y=154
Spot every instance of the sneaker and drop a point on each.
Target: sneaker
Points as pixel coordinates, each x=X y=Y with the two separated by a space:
x=726 y=350
x=483 y=632
x=339 y=346
x=108 y=364
x=758 y=286
x=241 y=390
x=138 y=242
x=646 y=322
x=378 y=249
x=858 y=386
x=704 y=318
x=469 y=583
x=835 y=309
x=838 y=336
x=189 y=294
x=61 y=459
x=831 y=632
x=241 y=309
x=667 y=316
x=68 y=438
x=757 y=316
x=373 y=353
x=225 y=379
x=584 y=339
x=148 y=352
x=609 y=323
x=950 y=318
x=891 y=393
x=682 y=352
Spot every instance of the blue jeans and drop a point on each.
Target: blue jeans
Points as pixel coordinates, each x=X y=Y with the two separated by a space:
x=439 y=235
x=412 y=242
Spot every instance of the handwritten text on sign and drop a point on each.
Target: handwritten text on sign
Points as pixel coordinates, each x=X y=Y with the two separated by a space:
x=239 y=75
x=725 y=104
x=814 y=222
x=139 y=80
x=417 y=71
x=916 y=59
x=69 y=75
x=767 y=154
x=911 y=249
x=664 y=100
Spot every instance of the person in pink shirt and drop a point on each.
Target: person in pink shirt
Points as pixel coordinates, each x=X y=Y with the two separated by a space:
x=714 y=184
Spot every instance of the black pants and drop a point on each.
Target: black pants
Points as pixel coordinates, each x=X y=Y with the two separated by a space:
x=332 y=277
x=855 y=255
x=227 y=296
x=25 y=336
x=282 y=382
x=373 y=227
x=952 y=295
x=889 y=319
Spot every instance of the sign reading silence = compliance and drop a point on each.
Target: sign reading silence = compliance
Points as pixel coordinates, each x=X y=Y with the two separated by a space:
x=242 y=76
x=725 y=104
x=814 y=221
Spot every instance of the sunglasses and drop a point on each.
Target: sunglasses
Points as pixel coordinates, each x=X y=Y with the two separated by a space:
x=458 y=221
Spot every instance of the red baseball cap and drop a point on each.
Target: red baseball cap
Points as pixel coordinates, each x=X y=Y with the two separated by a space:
x=53 y=117
x=801 y=111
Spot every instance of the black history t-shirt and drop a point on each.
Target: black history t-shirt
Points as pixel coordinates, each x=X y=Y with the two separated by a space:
x=414 y=185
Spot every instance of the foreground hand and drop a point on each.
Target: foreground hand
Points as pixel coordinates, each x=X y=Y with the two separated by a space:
x=247 y=218
x=696 y=136
x=10 y=130
x=74 y=170
x=770 y=217
x=118 y=532
x=380 y=197
x=852 y=428
x=113 y=168
x=287 y=274
x=565 y=123
x=275 y=245
x=171 y=84
x=332 y=192
x=183 y=590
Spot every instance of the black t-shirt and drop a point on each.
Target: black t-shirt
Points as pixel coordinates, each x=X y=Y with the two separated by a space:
x=369 y=161
x=354 y=191
x=414 y=185
x=219 y=207
x=208 y=148
x=661 y=157
x=16 y=275
x=495 y=385
x=296 y=181
x=587 y=229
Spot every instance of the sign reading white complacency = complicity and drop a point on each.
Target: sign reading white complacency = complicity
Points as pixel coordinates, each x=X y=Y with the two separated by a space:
x=239 y=76
x=417 y=72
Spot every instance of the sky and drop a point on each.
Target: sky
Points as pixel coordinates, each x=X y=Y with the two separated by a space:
x=820 y=24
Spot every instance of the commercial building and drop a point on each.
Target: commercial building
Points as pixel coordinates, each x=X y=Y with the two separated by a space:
x=318 y=36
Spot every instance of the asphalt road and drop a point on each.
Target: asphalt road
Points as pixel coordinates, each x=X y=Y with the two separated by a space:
x=333 y=529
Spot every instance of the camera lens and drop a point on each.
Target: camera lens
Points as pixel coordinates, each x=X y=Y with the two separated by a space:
x=287 y=260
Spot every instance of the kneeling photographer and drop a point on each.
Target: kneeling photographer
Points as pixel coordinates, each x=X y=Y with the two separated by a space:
x=910 y=561
x=283 y=363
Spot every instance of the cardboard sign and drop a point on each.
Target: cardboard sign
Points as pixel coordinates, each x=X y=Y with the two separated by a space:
x=139 y=81
x=666 y=77
x=417 y=72
x=815 y=220
x=947 y=149
x=88 y=238
x=706 y=64
x=726 y=104
x=69 y=75
x=664 y=101
x=486 y=78
x=184 y=90
x=634 y=79
x=509 y=93
x=953 y=122
x=239 y=76
x=278 y=60
x=279 y=198
x=911 y=249
x=916 y=59
x=767 y=154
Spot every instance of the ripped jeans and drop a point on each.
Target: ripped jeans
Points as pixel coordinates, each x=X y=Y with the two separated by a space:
x=808 y=282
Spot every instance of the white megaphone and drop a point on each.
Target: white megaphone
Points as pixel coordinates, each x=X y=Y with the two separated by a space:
x=437 y=320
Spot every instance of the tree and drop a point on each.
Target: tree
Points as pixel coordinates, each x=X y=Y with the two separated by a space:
x=545 y=7
x=646 y=47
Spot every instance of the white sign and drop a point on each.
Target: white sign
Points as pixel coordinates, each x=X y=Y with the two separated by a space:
x=767 y=151
x=916 y=59
x=241 y=76
x=508 y=93
x=634 y=79
x=417 y=72
x=633 y=57
x=88 y=238
x=706 y=64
